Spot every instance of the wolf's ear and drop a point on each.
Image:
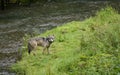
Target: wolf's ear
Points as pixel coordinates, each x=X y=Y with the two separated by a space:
x=48 y=35
x=53 y=35
x=43 y=38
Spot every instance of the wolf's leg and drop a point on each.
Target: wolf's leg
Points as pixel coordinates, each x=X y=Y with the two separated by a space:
x=48 y=51
x=34 y=53
x=34 y=50
x=44 y=50
x=29 y=48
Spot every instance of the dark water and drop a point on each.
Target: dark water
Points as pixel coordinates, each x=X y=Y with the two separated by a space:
x=15 y=22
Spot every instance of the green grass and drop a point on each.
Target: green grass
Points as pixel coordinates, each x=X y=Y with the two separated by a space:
x=89 y=47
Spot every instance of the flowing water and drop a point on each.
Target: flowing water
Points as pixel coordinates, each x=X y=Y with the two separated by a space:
x=15 y=22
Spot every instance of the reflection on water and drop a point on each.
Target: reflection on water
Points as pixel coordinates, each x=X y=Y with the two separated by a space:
x=18 y=21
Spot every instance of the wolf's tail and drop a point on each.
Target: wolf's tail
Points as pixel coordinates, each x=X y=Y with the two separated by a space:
x=29 y=48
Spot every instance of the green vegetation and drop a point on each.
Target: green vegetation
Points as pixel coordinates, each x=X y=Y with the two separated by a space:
x=90 y=47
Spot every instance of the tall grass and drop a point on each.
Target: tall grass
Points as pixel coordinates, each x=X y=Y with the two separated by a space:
x=89 y=47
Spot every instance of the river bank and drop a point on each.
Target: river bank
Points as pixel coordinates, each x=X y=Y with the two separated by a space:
x=16 y=22
x=81 y=47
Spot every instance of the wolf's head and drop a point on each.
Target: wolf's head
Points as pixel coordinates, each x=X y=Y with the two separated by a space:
x=51 y=38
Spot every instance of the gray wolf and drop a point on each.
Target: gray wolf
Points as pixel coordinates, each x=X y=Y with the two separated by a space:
x=45 y=42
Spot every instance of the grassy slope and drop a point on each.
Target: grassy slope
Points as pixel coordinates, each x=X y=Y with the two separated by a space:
x=90 y=47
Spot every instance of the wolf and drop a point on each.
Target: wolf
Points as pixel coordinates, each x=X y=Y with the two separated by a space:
x=45 y=42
